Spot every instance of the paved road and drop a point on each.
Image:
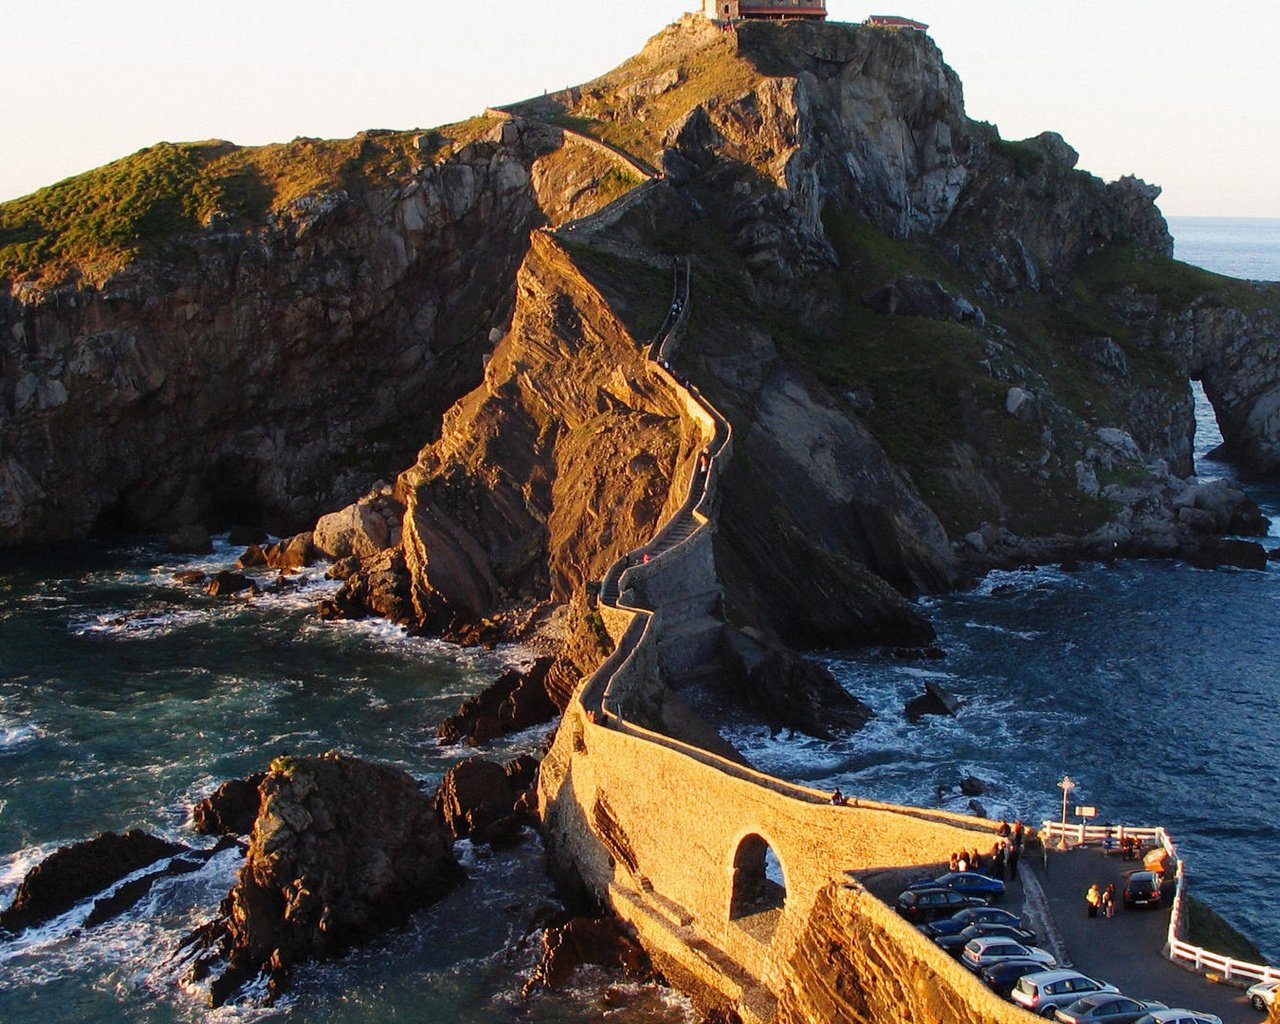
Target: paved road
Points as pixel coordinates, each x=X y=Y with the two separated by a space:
x=1125 y=949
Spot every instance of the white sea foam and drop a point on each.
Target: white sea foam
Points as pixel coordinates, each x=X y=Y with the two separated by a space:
x=15 y=735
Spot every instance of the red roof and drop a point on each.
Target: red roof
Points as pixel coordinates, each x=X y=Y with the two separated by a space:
x=893 y=21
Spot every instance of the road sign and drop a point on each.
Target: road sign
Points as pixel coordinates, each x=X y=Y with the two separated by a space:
x=1086 y=812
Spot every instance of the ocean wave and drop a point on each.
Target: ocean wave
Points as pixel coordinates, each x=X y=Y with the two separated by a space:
x=16 y=735
x=136 y=623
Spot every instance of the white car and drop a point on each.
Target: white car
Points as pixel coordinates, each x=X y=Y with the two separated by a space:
x=1178 y=1016
x=988 y=949
x=1042 y=993
x=1263 y=994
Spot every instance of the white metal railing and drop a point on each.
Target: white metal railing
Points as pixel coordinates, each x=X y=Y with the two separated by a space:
x=1177 y=949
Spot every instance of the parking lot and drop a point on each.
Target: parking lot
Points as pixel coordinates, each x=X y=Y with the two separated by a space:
x=1125 y=949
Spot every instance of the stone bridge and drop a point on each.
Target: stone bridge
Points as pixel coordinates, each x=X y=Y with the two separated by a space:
x=749 y=892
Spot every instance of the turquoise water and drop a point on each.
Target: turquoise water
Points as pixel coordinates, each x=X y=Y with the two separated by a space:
x=124 y=697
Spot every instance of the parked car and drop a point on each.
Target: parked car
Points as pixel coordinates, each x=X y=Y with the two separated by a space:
x=1142 y=890
x=1264 y=994
x=988 y=949
x=956 y=941
x=974 y=915
x=1003 y=975
x=1178 y=1016
x=925 y=904
x=1043 y=993
x=1106 y=1008
x=970 y=883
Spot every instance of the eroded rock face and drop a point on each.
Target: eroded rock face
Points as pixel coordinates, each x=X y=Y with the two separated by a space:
x=74 y=873
x=485 y=801
x=516 y=700
x=249 y=382
x=788 y=690
x=231 y=809
x=341 y=850
x=582 y=940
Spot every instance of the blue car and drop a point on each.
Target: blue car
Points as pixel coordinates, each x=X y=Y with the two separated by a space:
x=967 y=883
x=974 y=915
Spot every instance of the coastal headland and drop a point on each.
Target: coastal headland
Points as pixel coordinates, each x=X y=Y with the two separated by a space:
x=893 y=351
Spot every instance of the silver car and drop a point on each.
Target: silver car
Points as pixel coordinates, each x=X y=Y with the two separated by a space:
x=1043 y=993
x=985 y=950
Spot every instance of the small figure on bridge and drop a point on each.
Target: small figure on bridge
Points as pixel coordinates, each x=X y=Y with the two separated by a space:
x=1004 y=829
x=837 y=798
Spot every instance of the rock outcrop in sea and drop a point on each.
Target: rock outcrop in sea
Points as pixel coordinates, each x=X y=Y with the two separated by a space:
x=341 y=849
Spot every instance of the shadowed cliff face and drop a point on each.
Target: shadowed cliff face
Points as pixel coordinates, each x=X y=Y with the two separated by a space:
x=266 y=371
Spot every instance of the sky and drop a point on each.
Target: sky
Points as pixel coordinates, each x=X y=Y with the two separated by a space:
x=1186 y=97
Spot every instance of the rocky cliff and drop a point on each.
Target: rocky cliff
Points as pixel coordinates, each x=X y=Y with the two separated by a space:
x=940 y=350
x=294 y=335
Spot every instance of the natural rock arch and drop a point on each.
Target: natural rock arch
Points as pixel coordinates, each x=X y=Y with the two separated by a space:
x=753 y=891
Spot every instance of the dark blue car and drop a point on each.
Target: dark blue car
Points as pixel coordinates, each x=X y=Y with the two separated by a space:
x=974 y=915
x=967 y=883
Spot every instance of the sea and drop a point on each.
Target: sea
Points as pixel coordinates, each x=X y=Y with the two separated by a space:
x=125 y=697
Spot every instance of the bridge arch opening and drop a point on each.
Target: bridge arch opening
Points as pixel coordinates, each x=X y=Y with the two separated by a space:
x=759 y=887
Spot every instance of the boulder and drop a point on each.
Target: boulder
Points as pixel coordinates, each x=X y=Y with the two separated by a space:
x=190 y=540
x=1233 y=511
x=787 y=690
x=1022 y=404
x=934 y=701
x=231 y=809
x=1242 y=554
x=477 y=799
x=253 y=558
x=226 y=583
x=515 y=701
x=971 y=785
x=296 y=552
x=342 y=849
x=583 y=940
x=74 y=873
x=190 y=576
x=363 y=528
x=919 y=296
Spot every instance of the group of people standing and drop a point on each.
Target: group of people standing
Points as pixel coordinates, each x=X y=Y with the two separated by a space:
x=1001 y=861
x=1103 y=900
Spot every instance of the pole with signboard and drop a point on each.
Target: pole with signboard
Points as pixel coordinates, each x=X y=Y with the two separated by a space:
x=1066 y=785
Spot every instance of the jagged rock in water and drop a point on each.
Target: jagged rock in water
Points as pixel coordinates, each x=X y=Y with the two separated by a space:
x=130 y=893
x=226 y=583
x=74 y=873
x=934 y=701
x=341 y=850
x=788 y=690
x=1242 y=554
x=231 y=809
x=515 y=701
x=296 y=552
x=481 y=800
x=583 y=940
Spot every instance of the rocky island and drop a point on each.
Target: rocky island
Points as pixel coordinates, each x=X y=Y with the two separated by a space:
x=935 y=352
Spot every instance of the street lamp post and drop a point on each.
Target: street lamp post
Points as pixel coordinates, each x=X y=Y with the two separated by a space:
x=1066 y=785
